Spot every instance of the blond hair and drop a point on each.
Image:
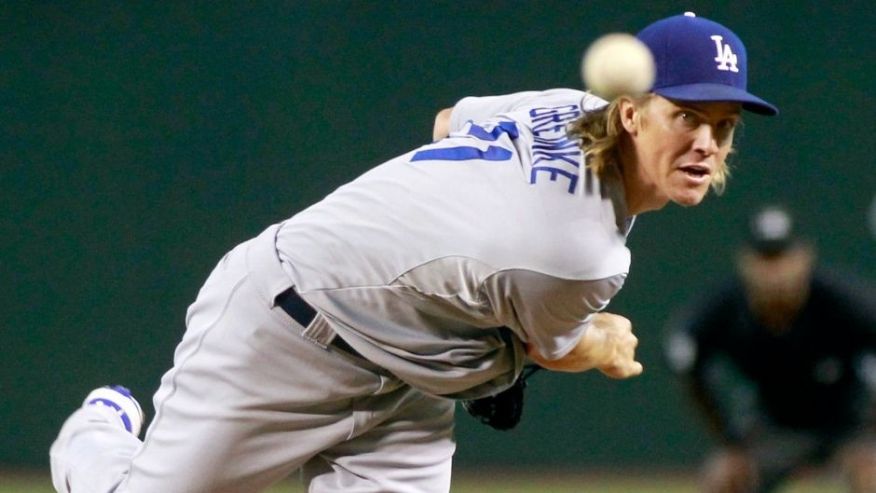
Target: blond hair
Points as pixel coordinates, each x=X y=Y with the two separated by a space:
x=601 y=130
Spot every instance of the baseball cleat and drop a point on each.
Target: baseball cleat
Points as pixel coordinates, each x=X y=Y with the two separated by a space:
x=117 y=403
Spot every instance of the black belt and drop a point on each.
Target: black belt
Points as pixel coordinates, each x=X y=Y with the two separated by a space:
x=293 y=304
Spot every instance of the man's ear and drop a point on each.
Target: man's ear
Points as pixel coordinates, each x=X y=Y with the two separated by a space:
x=629 y=115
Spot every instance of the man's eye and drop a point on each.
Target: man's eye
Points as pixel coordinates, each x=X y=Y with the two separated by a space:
x=727 y=124
x=688 y=118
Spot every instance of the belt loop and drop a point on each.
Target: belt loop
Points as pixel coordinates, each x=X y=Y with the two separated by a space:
x=320 y=332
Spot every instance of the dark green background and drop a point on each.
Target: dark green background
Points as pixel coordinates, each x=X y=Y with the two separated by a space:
x=140 y=142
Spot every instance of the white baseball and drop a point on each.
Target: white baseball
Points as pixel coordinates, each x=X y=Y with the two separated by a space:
x=617 y=64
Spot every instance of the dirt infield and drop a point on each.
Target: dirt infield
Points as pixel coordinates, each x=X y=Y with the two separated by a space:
x=497 y=480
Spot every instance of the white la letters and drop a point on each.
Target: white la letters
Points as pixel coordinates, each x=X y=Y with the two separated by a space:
x=726 y=58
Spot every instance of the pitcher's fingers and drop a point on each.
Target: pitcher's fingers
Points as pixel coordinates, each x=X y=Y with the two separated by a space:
x=628 y=370
x=636 y=369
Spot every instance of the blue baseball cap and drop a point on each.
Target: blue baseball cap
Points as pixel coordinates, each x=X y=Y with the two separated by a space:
x=700 y=60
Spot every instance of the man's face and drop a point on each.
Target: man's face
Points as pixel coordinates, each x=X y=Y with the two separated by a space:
x=777 y=285
x=680 y=147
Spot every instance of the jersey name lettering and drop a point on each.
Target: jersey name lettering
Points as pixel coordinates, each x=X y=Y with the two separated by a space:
x=553 y=120
x=554 y=154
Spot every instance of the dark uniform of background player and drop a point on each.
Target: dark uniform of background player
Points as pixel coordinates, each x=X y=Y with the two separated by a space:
x=781 y=360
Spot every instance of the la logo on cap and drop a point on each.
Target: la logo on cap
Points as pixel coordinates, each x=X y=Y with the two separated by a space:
x=726 y=58
x=699 y=60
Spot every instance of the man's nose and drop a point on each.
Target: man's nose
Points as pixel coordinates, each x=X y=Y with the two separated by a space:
x=705 y=140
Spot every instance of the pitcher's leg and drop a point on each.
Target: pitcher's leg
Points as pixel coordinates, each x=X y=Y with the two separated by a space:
x=247 y=402
x=406 y=445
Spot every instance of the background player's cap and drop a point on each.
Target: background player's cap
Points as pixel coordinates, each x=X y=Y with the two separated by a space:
x=700 y=60
x=771 y=230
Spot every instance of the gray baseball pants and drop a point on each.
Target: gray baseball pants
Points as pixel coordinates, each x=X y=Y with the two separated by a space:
x=253 y=396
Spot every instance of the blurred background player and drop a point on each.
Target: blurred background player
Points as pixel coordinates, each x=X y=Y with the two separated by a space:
x=781 y=361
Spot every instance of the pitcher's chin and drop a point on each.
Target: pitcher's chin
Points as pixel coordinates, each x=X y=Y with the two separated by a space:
x=690 y=197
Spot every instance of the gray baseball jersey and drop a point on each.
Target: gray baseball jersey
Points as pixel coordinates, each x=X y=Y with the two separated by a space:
x=424 y=263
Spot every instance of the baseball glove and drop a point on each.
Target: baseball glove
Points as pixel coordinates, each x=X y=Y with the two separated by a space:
x=503 y=410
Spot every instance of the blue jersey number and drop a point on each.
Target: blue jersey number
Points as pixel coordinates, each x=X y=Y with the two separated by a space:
x=466 y=153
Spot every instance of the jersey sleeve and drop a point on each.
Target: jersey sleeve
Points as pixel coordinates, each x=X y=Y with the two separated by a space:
x=484 y=107
x=546 y=312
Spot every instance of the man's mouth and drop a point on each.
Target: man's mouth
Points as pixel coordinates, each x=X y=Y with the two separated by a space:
x=698 y=171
